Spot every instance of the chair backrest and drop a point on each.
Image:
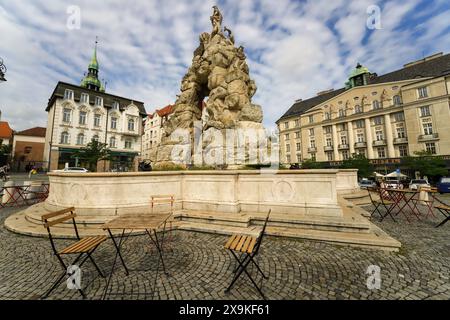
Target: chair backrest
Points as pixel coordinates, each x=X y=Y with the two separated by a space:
x=59 y=217
x=263 y=231
x=162 y=199
x=371 y=190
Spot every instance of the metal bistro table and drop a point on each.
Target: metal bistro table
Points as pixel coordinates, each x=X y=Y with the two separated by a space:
x=148 y=222
x=399 y=195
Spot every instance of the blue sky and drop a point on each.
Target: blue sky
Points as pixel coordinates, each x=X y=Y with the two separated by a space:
x=294 y=48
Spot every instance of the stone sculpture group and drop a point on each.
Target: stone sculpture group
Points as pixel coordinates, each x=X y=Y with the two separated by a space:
x=219 y=72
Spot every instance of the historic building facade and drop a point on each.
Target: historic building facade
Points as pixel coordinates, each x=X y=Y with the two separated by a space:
x=382 y=117
x=28 y=149
x=78 y=114
x=153 y=130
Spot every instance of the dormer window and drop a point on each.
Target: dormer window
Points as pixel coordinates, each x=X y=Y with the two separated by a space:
x=84 y=98
x=98 y=101
x=68 y=94
x=115 y=105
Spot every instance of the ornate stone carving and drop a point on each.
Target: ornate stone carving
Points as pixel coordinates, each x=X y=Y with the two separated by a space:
x=220 y=72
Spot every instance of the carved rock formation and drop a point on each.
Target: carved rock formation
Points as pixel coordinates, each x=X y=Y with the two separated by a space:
x=220 y=72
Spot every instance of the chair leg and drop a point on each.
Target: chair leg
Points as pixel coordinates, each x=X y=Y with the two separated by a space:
x=95 y=264
x=54 y=286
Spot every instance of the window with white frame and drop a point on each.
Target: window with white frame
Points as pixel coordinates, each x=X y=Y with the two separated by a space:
x=95 y=138
x=298 y=146
x=68 y=94
x=115 y=105
x=97 y=120
x=381 y=152
x=66 y=115
x=431 y=147
x=286 y=136
x=84 y=98
x=427 y=128
x=311 y=119
x=361 y=152
x=330 y=156
x=379 y=135
x=401 y=132
x=64 y=138
x=399 y=116
x=313 y=156
x=82 y=118
x=341 y=113
x=397 y=100
x=327 y=115
x=299 y=157
x=128 y=144
x=312 y=143
x=311 y=132
x=422 y=92
x=297 y=134
x=358 y=109
x=80 y=139
x=360 y=137
x=403 y=150
x=425 y=111
x=113 y=123
x=359 y=124
x=327 y=129
x=378 y=121
x=376 y=105
x=286 y=125
x=345 y=155
x=112 y=142
x=344 y=140
x=98 y=101
x=329 y=142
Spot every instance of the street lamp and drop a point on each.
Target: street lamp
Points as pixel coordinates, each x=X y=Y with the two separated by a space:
x=2 y=70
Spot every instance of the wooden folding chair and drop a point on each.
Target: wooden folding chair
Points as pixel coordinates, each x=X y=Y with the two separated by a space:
x=379 y=202
x=84 y=246
x=164 y=199
x=445 y=210
x=248 y=247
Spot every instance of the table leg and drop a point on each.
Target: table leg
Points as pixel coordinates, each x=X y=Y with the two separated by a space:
x=158 y=247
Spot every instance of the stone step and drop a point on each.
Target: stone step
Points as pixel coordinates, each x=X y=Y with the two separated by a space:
x=377 y=239
x=348 y=223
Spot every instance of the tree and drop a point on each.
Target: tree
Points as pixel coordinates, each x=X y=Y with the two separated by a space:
x=5 y=153
x=312 y=164
x=94 y=152
x=360 y=162
x=427 y=164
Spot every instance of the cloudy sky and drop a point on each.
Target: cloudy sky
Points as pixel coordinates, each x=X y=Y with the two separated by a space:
x=294 y=48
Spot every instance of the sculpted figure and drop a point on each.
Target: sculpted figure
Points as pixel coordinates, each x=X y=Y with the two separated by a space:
x=216 y=20
x=230 y=35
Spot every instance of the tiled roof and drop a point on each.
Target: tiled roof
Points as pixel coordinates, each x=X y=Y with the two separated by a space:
x=165 y=111
x=35 y=132
x=5 y=130
x=435 y=67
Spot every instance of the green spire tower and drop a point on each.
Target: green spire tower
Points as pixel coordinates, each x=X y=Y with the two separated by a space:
x=91 y=81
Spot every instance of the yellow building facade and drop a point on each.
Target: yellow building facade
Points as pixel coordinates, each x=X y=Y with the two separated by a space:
x=382 y=117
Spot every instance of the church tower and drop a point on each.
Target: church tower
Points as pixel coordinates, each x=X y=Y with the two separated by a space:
x=91 y=81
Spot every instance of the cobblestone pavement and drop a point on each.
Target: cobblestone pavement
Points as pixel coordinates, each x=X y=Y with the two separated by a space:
x=200 y=268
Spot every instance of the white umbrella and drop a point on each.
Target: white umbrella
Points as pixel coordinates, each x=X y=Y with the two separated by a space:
x=377 y=175
x=396 y=174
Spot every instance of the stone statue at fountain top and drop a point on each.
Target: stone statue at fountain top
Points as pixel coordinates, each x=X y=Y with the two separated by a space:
x=216 y=20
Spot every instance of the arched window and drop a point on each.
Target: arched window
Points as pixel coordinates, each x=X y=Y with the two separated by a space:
x=130 y=124
x=112 y=142
x=80 y=139
x=397 y=100
x=376 y=104
x=64 y=138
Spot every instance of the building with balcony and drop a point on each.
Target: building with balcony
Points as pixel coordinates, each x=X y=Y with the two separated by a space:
x=380 y=116
x=78 y=114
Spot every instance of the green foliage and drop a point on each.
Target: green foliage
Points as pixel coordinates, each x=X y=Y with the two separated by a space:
x=5 y=149
x=427 y=164
x=312 y=164
x=360 y=162
x=94 y=152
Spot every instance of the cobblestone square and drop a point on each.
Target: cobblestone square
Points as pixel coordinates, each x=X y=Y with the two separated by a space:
x=200 y=268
